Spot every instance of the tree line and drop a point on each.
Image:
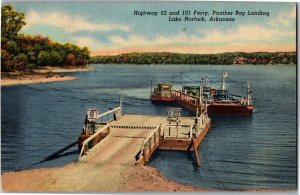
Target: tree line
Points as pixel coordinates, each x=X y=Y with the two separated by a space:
x=204 y=59
x=25 y=52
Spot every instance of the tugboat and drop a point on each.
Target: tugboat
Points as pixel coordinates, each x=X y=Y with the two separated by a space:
x=163 y=93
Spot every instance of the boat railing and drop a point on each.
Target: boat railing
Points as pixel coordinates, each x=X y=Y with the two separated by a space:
x=187 y=98
x=149 y=145
x=164 y=131
x=227 y=102
x=110 y=115
x=159 y=94
x=88 y=143
x=202 y=120
x=98 y=120
x=177 y=131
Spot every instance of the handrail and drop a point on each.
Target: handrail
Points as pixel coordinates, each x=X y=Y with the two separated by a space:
x=90 y=138
x=172 y=93
x=147 y=139
x=177 y=91
x=109 y=112
x=179 y=125
x=99 y=117
x=202 y=114
x=184 y=96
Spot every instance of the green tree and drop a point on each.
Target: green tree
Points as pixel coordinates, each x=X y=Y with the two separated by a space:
x=43 y=58
x=55 y=59
x=12 y=47
x=11 y=22
x=20 y=61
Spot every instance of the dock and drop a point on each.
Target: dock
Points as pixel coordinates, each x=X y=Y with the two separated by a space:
x=132 y=138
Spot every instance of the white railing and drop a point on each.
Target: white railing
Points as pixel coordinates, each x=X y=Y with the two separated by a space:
x=202 y=119
x=110 y=111
x=176 y=127
x=98 y=119
x=100 y=116
x=82 y=151
x=188 y=98
x=150 y=143
x=202 y=114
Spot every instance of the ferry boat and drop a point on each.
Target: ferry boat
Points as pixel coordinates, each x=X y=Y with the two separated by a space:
x=163 y=93
x=224 y=102
x=220 y=100
x=208 y=93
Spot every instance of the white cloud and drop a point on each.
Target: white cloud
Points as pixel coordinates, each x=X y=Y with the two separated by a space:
x=244 y=38
x=245 y=34
x=285 y=18
x=71 y=23
x=85 y=41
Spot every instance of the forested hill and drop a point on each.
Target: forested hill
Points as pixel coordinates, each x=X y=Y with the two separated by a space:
x=219 y=59
x=25 y=52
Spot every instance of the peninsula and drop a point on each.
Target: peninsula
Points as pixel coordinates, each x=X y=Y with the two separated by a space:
x=33 y=59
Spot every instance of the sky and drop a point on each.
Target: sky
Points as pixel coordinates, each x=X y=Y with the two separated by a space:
x=110 y=28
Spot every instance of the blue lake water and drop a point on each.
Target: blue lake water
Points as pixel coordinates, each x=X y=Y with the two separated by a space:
x=238 y=153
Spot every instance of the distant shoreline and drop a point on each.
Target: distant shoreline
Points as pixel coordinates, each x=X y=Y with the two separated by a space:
x=228 y=58
x=43 y=75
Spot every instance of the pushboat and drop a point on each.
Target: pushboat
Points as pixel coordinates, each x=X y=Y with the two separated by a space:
x=164 y=92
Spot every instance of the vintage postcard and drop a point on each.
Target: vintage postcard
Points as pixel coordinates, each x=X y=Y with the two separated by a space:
x=192 y=96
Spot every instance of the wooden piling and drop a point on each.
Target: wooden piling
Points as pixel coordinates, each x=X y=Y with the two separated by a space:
x=195 y=146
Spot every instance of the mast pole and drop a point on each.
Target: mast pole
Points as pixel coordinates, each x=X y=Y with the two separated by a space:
x=200 y=96
x=223 y=81
x=248 y=94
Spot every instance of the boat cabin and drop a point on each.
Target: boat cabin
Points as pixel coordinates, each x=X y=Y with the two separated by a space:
x=221 y=94
x=165 y=87
x=163 y=92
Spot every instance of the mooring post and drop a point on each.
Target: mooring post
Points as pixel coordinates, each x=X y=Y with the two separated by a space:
x=196 y=152
x=177 y=121
x=169 y=128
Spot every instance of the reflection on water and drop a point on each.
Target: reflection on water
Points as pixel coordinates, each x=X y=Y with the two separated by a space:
x=239 y=152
